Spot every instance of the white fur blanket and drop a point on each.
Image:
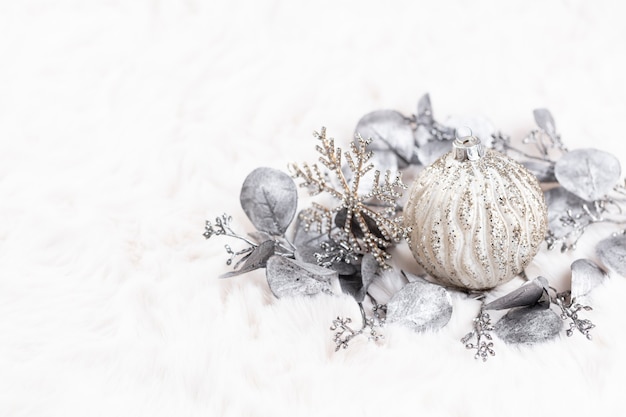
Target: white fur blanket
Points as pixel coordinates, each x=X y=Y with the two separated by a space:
x=124 y=125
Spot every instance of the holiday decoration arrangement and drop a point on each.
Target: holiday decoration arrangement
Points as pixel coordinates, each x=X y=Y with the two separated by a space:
x=477 y=212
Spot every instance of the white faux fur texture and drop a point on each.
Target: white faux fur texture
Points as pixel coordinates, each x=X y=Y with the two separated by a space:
x=125 y=124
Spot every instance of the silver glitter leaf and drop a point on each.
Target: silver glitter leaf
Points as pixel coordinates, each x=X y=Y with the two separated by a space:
x=370 y=270
x=269 y=198
x=559 y=201
x=255 y=259
x=527 y=295
x=528 y=325
x=612 y=253
x=586 y=275
x=424 y=110
x=307 y=243
x=588 y=173
x=357 y=283
x=544 y=171
x=391 y=131
x=420 y=306
x=433 y=150
x=545 y=121
x=291 y=278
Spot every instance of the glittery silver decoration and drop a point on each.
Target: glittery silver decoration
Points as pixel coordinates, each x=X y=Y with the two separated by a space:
x=528 y=325
x=255 y=259
x=569 y=216
x=364 y=222
x=570 y=309
x=391 y=132
x=269 y=198
x=475 y=224
x=290 y=278
x=612 y=252
x=586 y=275
x=565 y=211
x=345 y=330
x=481 y=335
x=420 y=306
x=527 y=295
x=589 y=173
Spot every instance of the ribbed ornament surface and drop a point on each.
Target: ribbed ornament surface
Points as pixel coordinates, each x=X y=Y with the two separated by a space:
x=475 y=224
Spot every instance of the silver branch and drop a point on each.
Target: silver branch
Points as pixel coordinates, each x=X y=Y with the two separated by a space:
x=569 y=310
x=483 y=340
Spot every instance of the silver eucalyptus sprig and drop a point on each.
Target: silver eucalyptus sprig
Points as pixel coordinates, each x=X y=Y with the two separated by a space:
x=480 y=339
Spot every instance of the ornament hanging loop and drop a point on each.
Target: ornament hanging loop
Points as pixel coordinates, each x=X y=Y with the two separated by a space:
x=467 y=148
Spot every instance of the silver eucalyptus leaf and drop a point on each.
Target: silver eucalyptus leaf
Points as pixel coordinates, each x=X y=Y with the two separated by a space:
x=528 y=325
x=420 y=306
x=370 y=270
x=269 y=198
x=291 y=278
x=422 y=136
x=544 y=171
x=255 y=260
x=424 y=111
x=586 y=275
x=259 y=236
x=433 y=150
x=589 y=173
x=559 y=201
x=390 y=131
x=612 y=253
x=528 y=294
x=307 y=243
x=545 y=121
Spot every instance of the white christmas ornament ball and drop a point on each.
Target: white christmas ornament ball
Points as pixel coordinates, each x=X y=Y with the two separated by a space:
x=477 y=217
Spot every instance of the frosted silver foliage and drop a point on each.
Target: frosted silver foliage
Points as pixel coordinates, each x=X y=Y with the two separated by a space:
x=475 y=224
x=424 y=111
x=586 y=275
x=545 y=121
x=432 y=150
x=589 y=173
x=370 y=270
x=256 y=259
x=560 y=202
x=420 y=306
x=527 y=295
x=528 y=325
x=269 y=198
x=612 y=253
x=290 y=278
x=543 y=170
x=390 y=131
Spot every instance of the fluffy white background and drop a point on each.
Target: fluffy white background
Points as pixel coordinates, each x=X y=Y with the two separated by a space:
x=124 y=125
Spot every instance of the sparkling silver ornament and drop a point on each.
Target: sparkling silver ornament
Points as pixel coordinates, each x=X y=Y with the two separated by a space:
x=477 y=217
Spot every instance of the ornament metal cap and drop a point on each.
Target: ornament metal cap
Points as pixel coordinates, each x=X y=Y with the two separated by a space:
x=467 y=148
